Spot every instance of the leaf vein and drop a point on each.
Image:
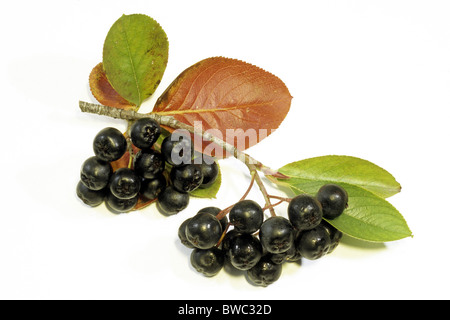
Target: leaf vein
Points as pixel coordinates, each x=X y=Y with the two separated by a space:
x=251 y=105
x=193 y=82
x=209 y=79
x=133 y=68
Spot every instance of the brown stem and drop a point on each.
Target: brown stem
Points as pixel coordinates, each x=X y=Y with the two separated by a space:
x=253 y=174
x=225 y=211
x=223 y=235
x=175 y=124
x=130 y=146
x=263 y=189
x=280 y=198
x=252 y=164
x=273 y=205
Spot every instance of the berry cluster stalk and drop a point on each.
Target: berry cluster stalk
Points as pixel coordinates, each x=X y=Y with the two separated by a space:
x=131 y=115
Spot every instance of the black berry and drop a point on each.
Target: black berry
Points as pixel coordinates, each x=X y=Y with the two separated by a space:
x=294 y=256
x=265 y=272
x=177 y=149
x=149 y=163
x=227 y=241
x=109 y=144
x=212 y=210
x=280 y=258
x=209 y=262
x=333 y=199
x=335 y=235
x=210 y=171
x=125 y=183
x=204 y=230
x=304 y=212
x=182 y=234
x=144 y=133
x=313 y=244
x=244 y=251
x=276 y=234
x=215 y=211
x=246 y=216
x=186 y=178
x=117 y=205
x=170 y=201
x=90 y=197
x=95 y=173
x=151 y=188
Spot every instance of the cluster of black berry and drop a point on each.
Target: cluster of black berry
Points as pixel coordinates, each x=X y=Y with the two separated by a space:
x=167 y=174
x=260 y=246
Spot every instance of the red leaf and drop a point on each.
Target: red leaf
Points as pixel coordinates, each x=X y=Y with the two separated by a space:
x=103 y=91
x=223 y=94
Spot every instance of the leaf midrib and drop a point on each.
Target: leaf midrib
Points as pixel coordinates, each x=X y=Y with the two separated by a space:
x=186 y=111
x=311 y=177
x=132 y=64
x=364 y=187
x=372 y=225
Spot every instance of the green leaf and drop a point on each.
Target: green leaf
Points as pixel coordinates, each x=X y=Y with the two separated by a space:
x=310 y=173
x=135 y=55
x=211 y=192
x=368 y=216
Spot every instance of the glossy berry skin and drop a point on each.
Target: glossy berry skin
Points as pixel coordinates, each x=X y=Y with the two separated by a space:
x=144 y=133
x=171 y=201
x=148 y=164
x=296 y=257
x=182 y=234
x=280 y=258
x=246 y=216
x=116 y=205
x=210 y=172
x=276 y=234
x=335 y=235
x=186 y=178
x=304 y=212
x=209 y=262
x=244 y=251
x=90 y=197
x=265 y=272
x=215 y=211
x=333 y=199
x=228 y=240
x=125 y=183
x=177 y=149
x=109 y=144
x=95 y=173
x=212 y=210
x=313 y=244
x=204 y=230
x=151 y=188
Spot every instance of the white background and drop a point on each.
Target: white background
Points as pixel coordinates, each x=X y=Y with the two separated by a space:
x=370 y=79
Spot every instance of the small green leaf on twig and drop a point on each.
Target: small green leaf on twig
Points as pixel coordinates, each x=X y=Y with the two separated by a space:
x=135 y=55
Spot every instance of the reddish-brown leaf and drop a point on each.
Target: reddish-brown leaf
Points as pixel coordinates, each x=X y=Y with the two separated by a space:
x=103 y=91
x=222 y=93
x=143 y=203
x=122 y=162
